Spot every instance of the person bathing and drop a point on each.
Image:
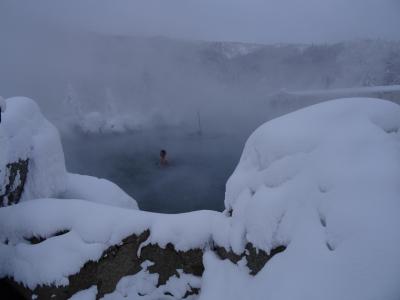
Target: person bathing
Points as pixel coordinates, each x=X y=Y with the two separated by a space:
x=163 y=158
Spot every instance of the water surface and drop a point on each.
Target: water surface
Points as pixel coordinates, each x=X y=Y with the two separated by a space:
x=195 y=179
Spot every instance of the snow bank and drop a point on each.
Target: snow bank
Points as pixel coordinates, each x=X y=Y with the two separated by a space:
x=92 y=229
x=97 y=190
x=26 y=134
x=324 y=182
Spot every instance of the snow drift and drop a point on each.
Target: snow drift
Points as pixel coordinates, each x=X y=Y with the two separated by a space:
x=324 y=182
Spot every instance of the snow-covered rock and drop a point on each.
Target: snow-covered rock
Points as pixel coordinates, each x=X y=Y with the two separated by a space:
x=90 y=230
x=324 y=182
x=26 y=134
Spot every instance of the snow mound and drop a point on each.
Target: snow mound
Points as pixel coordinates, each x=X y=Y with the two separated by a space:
x=97 y=190
x=90 y=229
x=324 y=182
x=26 y=134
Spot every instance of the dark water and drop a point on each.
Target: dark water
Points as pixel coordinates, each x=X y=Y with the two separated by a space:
x=195 y=179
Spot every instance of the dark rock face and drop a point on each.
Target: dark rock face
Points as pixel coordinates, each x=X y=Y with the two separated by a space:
x=115 y=263
x=225 y=254
x=256 y=258
x=33 y=240
x=123 y=260
x=167 y=261
x=16 y=174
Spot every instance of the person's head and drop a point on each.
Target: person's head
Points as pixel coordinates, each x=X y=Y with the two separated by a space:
x=163 y=153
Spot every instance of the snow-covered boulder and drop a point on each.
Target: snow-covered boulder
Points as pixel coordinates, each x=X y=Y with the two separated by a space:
x=324 y=182
x=26 y=135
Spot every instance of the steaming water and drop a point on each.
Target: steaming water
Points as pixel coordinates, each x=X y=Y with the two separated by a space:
x=195 y=179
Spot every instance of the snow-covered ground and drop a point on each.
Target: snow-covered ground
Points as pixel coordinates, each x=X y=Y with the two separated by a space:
x=322 y=181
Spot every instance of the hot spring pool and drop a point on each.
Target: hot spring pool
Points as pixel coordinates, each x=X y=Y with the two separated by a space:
x=194 y=180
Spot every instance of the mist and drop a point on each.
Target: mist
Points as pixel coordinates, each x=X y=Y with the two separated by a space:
x=122 y=80
x=254 y=21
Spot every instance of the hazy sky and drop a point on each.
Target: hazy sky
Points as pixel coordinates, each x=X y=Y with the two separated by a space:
x=262 y=21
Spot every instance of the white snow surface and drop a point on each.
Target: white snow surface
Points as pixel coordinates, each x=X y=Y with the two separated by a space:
x=143 y=286
x=92 y=229
x=25 y=133
x=322 y=181
x=88 y=294
x=97 y=190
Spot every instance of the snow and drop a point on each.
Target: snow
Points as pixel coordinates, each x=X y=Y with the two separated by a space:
x=88 y=294
x=322 y=181
x=92 y=228
x=143 y=286
x=97 y=190
x=27 y=134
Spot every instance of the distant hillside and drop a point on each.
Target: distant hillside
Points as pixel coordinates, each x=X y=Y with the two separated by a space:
x=162 y=77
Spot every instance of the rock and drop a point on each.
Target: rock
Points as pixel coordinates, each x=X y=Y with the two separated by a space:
x=257 y=258
x=16 y=174
x=227 y=254
x=115 y=263
x=122 y=260
x=167 y=261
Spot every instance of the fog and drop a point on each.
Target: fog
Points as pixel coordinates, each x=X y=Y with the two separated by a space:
x=124 y=79
x=256 y=21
